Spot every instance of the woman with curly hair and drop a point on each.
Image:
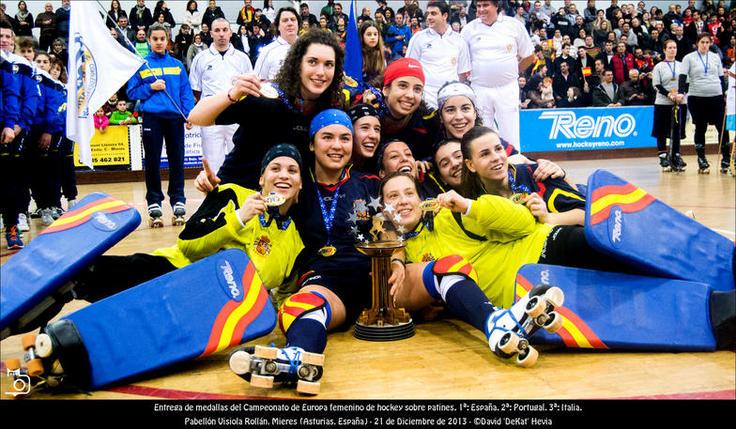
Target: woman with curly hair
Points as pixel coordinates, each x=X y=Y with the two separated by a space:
x=308 y=82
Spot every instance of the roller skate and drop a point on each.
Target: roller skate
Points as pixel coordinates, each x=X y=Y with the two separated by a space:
x=32 y=372
x=154 y=216
x=703 y=166
x=262 y=366
x=725 y=166
x=664 y=162
x=179 y=214
x=677 y=163
x=509 y=330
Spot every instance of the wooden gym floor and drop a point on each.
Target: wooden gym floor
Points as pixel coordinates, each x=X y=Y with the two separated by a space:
x=448 y=359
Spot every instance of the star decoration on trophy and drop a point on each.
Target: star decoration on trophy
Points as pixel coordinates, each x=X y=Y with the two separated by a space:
x=373 y=221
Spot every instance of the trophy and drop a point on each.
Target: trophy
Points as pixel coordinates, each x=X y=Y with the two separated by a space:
x=383 y=321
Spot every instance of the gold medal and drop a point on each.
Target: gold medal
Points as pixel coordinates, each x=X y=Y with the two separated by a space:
x=327 y=251
x=519 y=197
x=275 y=200
x=431 y=205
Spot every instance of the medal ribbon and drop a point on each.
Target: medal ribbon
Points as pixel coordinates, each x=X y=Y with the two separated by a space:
x=705 y=63
x=329 y=218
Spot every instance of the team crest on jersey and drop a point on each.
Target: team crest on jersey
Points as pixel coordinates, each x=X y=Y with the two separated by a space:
x=509 y=48
x=453 y=61
x=39 y=78
x=16 y=69
x=361 y=210
x=428 y=257
x=86 y=82
x=263 y=245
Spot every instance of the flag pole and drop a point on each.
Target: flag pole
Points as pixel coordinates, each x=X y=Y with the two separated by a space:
x=130 y=45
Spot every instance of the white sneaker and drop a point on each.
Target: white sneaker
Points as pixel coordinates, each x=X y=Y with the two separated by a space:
x=23 y=222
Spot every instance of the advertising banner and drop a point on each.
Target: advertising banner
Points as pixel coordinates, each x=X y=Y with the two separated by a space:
x=110 y=149
x=597 y=128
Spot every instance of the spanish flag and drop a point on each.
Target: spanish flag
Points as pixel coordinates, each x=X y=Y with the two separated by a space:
x=587 y=72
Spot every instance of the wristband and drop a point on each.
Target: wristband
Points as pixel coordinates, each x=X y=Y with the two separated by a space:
x=230 y=98
x=399 y=261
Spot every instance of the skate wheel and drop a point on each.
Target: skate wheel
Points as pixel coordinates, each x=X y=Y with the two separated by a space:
x=316 y=359
x=555 y=297
x=554 y=323
x=28 y=341
x=43 y=345
x=536 y=306
x=35 y=367
x=262 y=381
x=528 y=358
x=509 y=343
x=264 y=352
x=666 y=169
x=240 y=362
x=12 y=364
x=308 y=387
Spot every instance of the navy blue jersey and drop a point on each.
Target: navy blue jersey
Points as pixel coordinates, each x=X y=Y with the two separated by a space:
x=355 y=191
x=558 y=194
x=420 y=133
x=30 y=94
x=263 y=123
x=52 y=112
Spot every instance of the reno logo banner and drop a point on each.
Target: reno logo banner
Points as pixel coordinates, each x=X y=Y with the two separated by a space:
x=547 y=130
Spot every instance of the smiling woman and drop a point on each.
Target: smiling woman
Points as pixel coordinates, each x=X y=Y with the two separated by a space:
x=305 y=85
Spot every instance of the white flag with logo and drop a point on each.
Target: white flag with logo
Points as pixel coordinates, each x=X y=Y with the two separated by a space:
x=98 y=67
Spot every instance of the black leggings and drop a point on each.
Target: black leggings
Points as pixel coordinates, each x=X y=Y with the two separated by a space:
x=566 y=245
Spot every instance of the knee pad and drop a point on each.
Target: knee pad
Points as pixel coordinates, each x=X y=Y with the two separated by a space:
x=300 y=305
x=446 y=266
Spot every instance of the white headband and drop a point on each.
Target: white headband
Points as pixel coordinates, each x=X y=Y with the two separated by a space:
x=453 y=89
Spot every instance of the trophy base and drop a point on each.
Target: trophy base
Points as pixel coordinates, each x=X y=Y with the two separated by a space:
x=385 y=332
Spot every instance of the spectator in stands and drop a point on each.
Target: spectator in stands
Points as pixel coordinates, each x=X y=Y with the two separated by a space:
x=564 y=58
x=621 y=63
x=122 y=116
x=560 y=21
x=397 y=38
x=245 y=16
x=205 y=33
x=337 y=14
x=696 y=27
x=239 y=40
x=212 y=12
x=547 y=92
x=324 y=23
x=632 y=91
x=196 y=47
x=140 y=16
x=307 y=16
x=411 y=10
x=125 y=31
x=163 y=8
x=269 y=11
x=101 y=121
x=257 y=42
x=684 y=47
x=564 y=80
x=328 y=10
x=193 y=17
x=573 y=98
x=606 y=94
x=374 y=62
x=182 y=42
x=114 y=14
x=141 y=45
x=62 y=21
x=46 y=21
x=58 y=50
x=524 y=100
x=643 y=60
x=23 y=21
x=161 y=19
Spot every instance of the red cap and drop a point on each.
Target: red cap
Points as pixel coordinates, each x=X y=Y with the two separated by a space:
x=403 y=67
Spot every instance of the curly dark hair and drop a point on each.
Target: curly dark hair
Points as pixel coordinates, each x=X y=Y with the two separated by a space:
x=289 y=77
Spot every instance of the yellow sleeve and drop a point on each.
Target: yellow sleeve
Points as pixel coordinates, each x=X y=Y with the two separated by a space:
x=498 y=215
x=215 y=224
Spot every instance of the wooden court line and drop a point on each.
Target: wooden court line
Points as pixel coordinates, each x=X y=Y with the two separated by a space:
x=184 y=394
